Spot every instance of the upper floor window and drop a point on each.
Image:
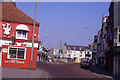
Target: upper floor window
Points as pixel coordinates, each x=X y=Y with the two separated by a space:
x=80 y=48
x=21 y=31
x=74 y=48
x=21 y=34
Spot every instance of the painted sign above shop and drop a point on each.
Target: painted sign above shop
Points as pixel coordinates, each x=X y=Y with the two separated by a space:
x=6 y=28
x=25 y=44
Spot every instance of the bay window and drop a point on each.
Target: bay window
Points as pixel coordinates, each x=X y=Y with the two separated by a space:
x=22 y=31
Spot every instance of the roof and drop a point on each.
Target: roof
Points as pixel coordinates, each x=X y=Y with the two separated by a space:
x=12 y=13
x=78 y=48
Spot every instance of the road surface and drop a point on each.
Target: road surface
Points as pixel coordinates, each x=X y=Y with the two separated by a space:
x=67 y=71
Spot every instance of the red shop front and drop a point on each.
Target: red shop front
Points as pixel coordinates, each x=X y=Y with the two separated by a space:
x=16 y=39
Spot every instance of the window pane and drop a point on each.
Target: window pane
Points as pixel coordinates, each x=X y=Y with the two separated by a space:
x=21 y=52
x=24 y=34
x=21 y=49
x=12 y=52
x=18 y=33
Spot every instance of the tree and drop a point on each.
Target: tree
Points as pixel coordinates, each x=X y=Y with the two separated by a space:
x=65 y=44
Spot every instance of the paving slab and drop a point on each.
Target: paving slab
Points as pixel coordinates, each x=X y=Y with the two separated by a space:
x=23 y=73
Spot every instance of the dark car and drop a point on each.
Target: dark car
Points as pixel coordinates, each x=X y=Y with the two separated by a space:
x=85 y=62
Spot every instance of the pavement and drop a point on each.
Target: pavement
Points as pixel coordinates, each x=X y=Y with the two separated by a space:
x=104 y=73
x=101 y=71
x=117 y=78
x=23 y=73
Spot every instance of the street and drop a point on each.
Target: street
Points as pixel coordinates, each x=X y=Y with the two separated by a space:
x=68 y=71
x=55 y=71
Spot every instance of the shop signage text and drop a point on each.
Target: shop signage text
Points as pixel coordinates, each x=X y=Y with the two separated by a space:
x=14 y=61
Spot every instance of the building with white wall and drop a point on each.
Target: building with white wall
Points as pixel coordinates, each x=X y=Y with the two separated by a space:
x=76 y=53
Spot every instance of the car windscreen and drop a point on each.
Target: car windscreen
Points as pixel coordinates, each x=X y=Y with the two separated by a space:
x=84 y=59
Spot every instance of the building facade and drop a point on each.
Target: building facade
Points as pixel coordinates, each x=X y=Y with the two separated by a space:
x=109 y=39
x=16 y=37
x=76 y=53
x=116 y=37
x=101 y=41
x=94 y=50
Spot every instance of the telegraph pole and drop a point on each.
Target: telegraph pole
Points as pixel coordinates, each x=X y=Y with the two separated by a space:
x=33 y=36
x=60 y=44
x=60 y=48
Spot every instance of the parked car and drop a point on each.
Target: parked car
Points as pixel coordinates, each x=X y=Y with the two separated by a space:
x=85 y=62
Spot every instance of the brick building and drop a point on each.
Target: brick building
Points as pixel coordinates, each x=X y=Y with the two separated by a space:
x=16 y=37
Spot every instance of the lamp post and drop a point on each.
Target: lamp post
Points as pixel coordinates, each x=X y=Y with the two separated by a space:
x=33 y=36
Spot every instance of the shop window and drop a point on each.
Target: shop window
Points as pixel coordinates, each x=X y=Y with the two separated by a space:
x=16 y=53
x=21 y=34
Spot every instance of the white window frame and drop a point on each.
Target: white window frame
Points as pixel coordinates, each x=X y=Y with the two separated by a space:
x=8 y=56
x=21 y=35
x=118 y=35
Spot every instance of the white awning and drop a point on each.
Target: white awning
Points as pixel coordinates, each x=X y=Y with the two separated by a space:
x=22 y=27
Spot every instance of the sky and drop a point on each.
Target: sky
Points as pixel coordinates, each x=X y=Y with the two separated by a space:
x=66 y=21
